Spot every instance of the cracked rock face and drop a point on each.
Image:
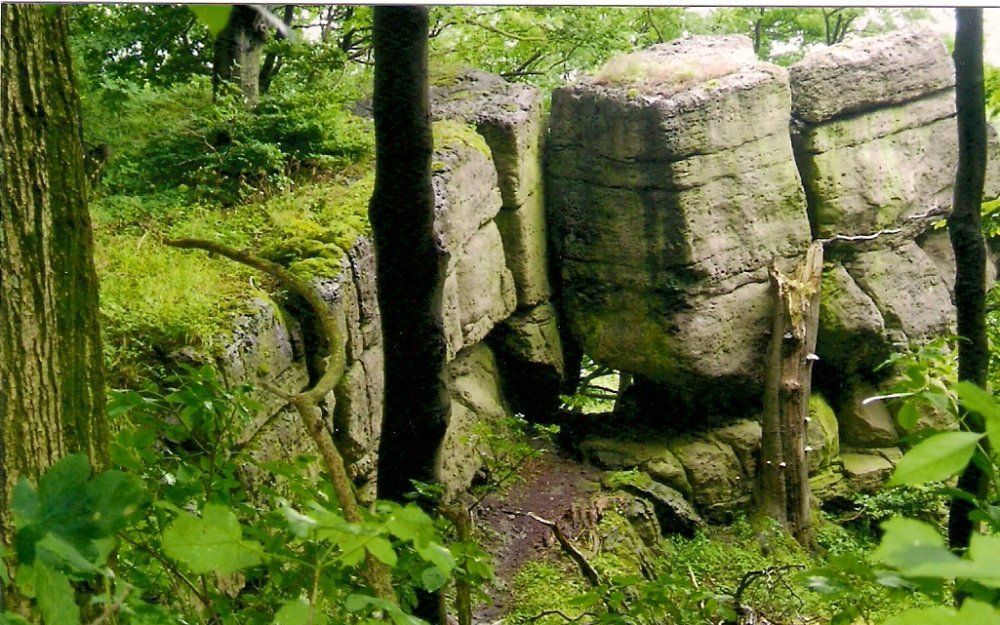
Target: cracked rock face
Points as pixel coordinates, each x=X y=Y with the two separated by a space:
x=671 y=187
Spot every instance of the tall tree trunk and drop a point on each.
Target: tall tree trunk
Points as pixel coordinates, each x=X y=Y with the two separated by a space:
x=965 y=230
x=411 y=264
x=238 y=51
x=52 y=400
x=785 y=492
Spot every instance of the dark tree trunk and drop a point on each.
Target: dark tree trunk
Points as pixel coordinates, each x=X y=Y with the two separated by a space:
x=273 y=61
x=965 y=230
x=785 y=492
x=52 y=400
x=411 y=264
x=238 y=51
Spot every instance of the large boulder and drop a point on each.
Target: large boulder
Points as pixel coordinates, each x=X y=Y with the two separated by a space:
x=672 y=187
x=478 y=288
x=862 y=73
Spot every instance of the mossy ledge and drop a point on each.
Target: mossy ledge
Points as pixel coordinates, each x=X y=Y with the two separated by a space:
x=156 y=300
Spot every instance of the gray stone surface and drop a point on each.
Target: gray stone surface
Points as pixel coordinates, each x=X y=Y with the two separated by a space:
x=822 y=434
x=466 y=196
x=476 y=403
x=852 y=332
x=478 y=289
x=508 y=115
x=866 y=425
x=653 y=457
x=525 y=240
x=671 y=186
x=907 y=289
x=937 y=246
x=865 y=473
x=864 y=73
x=717 y=481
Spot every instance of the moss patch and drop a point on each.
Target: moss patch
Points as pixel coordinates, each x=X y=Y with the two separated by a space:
x=156 y=300
x=449 y=134
x=648 y=73
x=541 y=586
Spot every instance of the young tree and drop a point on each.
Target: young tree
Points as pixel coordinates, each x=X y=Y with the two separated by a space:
x=411 y=264
x=966 y=233
x=52 y=402
x=239 y=50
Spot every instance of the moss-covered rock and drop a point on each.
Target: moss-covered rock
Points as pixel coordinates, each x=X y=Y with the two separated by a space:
x=822 y=434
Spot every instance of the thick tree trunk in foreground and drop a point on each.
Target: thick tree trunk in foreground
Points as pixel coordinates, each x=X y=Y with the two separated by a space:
x=411 y=264
x=238 y=53
x=785 y=492
x=966 y=232
x=52 y=399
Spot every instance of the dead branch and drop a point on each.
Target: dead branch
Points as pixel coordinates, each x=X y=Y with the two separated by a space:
x=567 y=546
x=750 y=577
x=559 y=613
x=306 y=402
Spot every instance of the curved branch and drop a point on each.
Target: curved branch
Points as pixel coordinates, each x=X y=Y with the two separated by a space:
x=306 y=402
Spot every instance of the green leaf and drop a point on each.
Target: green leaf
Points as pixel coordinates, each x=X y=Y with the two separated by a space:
x=977 y=400
x=913 y=547
x=115 y=499
x=214 y=16
x=437 y=555
x=382 y=550
x=935 y=458
x=55 y=596
x=296 y=612
x=972 y=612
x=63 y=552
x=432 y=578
x=908 y=415
x=212 y=543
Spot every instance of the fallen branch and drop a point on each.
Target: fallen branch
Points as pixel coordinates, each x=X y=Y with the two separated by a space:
x=559 y=613
x=935 y=211
x=748 y=580
x=306 y=402
x=567 y=546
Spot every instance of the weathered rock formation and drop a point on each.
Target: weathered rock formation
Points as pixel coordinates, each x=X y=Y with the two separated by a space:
x=674 y=178
x=672 y=187
x=509 y=117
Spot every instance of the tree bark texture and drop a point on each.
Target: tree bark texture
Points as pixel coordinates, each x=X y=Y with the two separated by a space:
x=238 y=53
x=785 y=492
x=966 y=233
x=52 y=398
x=410 y=263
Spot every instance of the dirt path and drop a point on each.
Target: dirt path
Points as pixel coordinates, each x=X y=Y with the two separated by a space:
x=549 y=486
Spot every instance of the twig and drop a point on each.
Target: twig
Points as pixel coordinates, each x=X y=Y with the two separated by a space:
x=559 y=613
x=111 y=608
x=751 y=576
x=567 y=545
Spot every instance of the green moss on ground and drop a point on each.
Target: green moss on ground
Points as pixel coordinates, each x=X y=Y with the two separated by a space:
x=543 y=585
x=156 y=299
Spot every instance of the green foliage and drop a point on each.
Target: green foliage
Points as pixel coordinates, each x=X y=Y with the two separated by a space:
x=178 y=138
x=912 y=553
x=156 y=300
x=992 y=90
x=192 y=545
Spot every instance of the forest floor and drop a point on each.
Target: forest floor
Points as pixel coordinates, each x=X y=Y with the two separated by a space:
x=551 y=486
